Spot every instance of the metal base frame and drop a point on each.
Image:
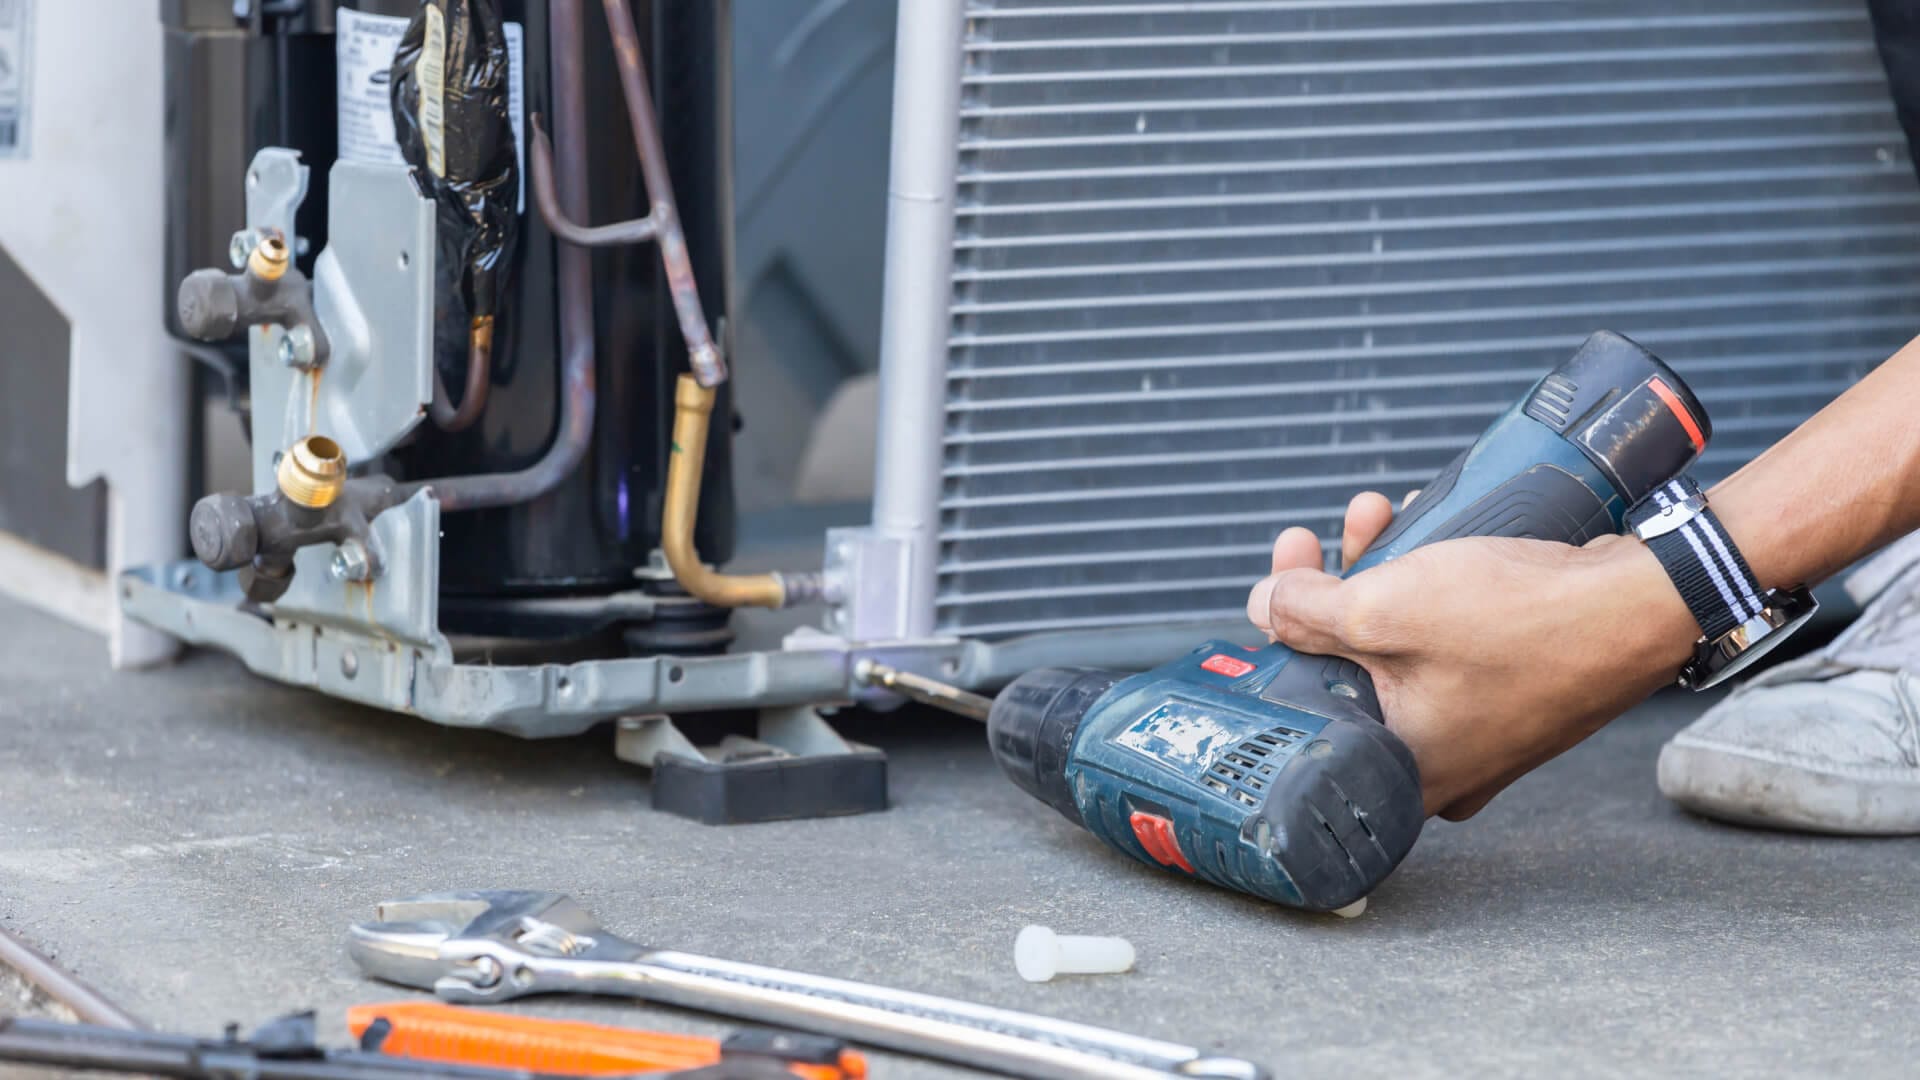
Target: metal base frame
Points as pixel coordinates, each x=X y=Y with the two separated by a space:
x=201 y=607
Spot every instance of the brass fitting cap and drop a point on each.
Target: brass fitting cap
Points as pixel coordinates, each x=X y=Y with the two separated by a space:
x=269 y=259
x=312 y=473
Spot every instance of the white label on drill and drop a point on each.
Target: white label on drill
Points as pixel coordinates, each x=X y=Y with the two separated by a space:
x=14 y=72
x=363 y=50
x=1178 y=734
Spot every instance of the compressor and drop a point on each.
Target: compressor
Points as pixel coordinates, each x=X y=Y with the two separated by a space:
x=447 y=88
x=467 y=407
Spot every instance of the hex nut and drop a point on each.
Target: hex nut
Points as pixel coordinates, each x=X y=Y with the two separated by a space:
x=241 y=247
x=350 y=563
x=297 y=347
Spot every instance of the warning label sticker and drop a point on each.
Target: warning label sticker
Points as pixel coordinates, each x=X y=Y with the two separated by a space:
x=517 y=101
x=15 y=15
x=363 y=50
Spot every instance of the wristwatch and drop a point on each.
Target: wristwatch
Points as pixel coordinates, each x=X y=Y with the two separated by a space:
x=1739 y=621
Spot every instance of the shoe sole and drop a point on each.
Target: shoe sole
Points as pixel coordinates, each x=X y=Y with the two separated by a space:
x=1740 y=786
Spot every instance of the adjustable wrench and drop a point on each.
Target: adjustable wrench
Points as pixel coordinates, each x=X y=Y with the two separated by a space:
x=495 y=945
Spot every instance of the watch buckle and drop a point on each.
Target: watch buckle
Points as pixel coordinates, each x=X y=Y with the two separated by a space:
x=1670 y=517
x=1723 y=657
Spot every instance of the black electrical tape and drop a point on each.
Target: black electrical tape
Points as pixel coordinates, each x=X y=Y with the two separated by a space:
x=450 y=116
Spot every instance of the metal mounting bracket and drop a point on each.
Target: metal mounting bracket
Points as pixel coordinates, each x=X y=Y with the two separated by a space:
x=868 y=584
x=373 y=295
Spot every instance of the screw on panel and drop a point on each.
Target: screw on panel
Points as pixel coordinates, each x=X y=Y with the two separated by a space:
x=349 y=663
x=297 y=347
x=350 y=563
x=240 y=248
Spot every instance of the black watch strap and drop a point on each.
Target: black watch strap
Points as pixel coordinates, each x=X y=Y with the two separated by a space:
x=1713 y=577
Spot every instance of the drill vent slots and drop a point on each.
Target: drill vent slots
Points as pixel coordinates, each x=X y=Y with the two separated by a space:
x=1556 y=395
x=1243 y=773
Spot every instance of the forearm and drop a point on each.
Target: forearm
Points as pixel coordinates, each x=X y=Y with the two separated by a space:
x=1840 y=486
x=1843 y=484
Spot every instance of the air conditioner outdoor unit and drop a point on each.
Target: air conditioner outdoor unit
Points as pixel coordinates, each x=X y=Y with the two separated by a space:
x=1163 y=278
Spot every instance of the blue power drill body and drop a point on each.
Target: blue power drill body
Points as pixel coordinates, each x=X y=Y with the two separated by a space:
x=1270 y=771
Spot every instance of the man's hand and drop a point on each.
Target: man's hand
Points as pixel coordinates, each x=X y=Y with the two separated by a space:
x=1490 y=655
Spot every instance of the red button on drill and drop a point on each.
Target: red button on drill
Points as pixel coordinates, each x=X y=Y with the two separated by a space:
x=1155 y=833
x=1222 y=664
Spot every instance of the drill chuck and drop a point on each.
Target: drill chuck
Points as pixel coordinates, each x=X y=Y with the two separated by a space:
x=1032 y=727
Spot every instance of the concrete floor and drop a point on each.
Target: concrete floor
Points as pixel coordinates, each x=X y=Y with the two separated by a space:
x=194 y=841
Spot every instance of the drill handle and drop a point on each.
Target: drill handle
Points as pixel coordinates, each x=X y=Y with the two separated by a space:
x=1565 y=462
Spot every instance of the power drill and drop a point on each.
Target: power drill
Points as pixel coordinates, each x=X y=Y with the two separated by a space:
x=1270 y=771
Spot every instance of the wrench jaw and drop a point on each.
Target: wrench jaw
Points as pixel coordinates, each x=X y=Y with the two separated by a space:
x=403 y=953
x=479 y=971
x=482 y=946
x=406 y=943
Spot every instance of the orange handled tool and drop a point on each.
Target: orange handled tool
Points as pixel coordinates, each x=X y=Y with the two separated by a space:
x=431 y=1031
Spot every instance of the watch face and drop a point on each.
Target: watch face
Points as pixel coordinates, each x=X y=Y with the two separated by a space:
x=1714 y=662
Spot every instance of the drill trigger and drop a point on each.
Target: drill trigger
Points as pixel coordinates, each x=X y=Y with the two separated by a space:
x=1155 y=833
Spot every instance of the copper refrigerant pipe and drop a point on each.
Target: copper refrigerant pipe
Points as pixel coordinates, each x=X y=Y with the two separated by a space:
x=547 y=201
x=561 y=160
x=694 y=394
x=479 y=379
x=693 y=407
x=702 y=355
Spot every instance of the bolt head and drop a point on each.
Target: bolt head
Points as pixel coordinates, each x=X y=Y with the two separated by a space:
x=350 y=563
x=298 y=347
x=240 y=248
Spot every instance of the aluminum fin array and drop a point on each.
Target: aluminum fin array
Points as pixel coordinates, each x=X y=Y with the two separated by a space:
x=1219 y=264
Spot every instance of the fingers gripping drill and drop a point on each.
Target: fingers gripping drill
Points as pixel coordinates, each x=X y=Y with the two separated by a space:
x=1271 y=772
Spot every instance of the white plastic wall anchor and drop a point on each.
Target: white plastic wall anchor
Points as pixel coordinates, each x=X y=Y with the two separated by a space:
x=1039 y=954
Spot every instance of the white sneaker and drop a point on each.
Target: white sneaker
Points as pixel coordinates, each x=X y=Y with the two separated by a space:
x=1829 y=742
